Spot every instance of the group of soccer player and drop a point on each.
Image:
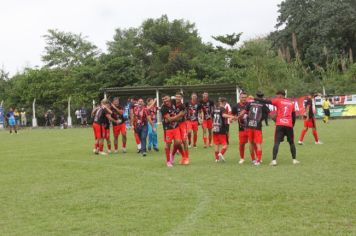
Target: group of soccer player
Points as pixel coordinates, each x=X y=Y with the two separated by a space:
x=181 y=120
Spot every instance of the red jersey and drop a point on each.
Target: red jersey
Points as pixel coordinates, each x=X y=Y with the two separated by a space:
x=141 y=114
x=285 y=108
x=208 y=108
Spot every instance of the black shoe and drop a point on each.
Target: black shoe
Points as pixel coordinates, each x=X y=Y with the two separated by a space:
x=144 y=154
x=138 y=150
x=149 y=149
x=156 y=149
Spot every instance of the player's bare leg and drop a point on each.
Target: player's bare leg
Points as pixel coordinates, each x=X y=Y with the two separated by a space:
x=258 y=153
x=242 y=153
x=205 y=139
x=210 y=137
x=195 y=138
x=116 y=143
x=124 y=139
x=167 y=149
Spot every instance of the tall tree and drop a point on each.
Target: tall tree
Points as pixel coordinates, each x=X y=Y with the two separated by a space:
x=64 y=49
x=317 y=30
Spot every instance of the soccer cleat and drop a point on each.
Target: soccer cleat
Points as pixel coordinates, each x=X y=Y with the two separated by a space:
x=195 y=146
x=149 y=149
x=189 y=146
x=210 y=145
x=116 y=151
x=273 y=163
x=205 y=146
x=156 y=149
x=144 y=154
x=253 y=162
x=241 y=161
x=217 y=160
x=124 y=150
x=300 y=143
x=295 y=162
x=109 y=151
x=319 y=142
x=169 y=164
x=138 y=150
x=103 y=153
x=257 y=163
x=94 y=150
x=221 y=157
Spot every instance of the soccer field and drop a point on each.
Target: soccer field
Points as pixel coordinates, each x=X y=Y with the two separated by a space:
x=52 y=184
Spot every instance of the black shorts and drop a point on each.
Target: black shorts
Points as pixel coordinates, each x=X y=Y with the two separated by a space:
x=327 y=112
x=282 y=131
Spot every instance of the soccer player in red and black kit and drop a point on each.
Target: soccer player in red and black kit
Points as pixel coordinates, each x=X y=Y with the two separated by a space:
x=181 y=110
x=132 y=123
x=102 y=116
x=220 y=129
x=309 y=121
x=206 y=111
x=285 y=121
x=170 y=122
x=192 y=119
x=242 y=121
x=119 y=128
x=255 y=113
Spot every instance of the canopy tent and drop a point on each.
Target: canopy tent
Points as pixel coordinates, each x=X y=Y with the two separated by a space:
x=157 y=91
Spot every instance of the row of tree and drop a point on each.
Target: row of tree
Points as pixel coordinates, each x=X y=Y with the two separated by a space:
x=313 y=46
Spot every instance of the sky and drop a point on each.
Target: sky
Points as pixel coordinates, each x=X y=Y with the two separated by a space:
x=24 y=22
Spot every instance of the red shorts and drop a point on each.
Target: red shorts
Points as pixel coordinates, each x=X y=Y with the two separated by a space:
x=254 y=136
x=99 y=131
x=117 y=129
x=219 y=139
x=208 y=124
x=192 y=125
x=243 y=137
x=183 y=130
x=172 y=134
x=310 y=123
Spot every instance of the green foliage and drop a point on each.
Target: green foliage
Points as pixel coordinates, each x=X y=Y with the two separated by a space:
x=229 y=39
x=309 y=50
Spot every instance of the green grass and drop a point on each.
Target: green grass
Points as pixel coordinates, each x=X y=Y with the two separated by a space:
x=51 y=184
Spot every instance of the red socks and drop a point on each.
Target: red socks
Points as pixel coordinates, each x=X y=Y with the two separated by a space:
x=124 y=144
x=116 y=146
x=259 y=155
x=168 y=154
x=189 y=138
x=216 y=155
x=210 y=138
x=302 y=135
x=101 y=147
x=137 y=139
x=109 y=146
x=223 y=151
x=315 y=134
x=195 y=139
x=242 y=151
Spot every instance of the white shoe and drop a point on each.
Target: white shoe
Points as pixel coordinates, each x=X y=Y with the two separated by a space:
x=94 y=150
x=217 y=161
x=241 y=161
x=109 y=151
x=139 y=146
x=300 y=143
x=273 y=163
x=103 y=153
x=319 y=142
x=221 y=157
x=257 y=163
x=189 y=146
x=124 y=150
x=295 y=162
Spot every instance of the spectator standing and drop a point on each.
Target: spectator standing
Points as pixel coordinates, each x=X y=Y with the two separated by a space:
x=23 y=117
